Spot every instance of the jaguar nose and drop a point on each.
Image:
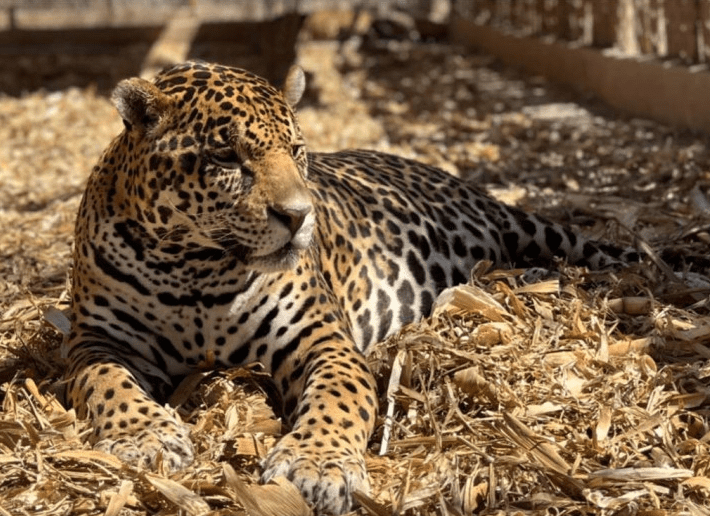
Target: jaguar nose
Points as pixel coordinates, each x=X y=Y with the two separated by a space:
x=292 y=216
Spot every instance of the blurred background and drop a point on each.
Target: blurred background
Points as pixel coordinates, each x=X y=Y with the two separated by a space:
x=57 y=43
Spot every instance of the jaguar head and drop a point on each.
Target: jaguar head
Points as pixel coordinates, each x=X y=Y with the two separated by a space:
x=215 y=159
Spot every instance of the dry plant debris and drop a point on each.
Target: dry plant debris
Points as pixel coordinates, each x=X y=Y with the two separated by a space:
x=574 y=394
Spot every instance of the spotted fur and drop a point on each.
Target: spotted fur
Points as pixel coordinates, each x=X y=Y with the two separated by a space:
x=208 y=238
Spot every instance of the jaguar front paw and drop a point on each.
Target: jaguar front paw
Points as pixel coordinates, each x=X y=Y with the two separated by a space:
x=326 y=475
x=164 y=444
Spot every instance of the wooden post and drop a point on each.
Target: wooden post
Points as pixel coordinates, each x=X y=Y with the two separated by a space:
x=626 y=30
x=704 y=31
x=681 y=17
x=605 y=21
x=564 y=20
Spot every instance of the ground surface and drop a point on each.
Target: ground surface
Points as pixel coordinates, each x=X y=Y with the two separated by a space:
x=587 y=395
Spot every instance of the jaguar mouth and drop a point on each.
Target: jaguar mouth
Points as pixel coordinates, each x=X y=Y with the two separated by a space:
x=283 y=259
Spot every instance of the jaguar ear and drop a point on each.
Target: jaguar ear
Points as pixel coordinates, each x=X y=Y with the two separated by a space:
x=140 y=103
x=294 y=85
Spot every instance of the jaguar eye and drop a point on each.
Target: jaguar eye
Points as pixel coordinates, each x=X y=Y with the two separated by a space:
x=297 y=150
x=225 y=157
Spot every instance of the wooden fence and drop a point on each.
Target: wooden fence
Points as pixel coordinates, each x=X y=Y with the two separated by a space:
x=665 y=29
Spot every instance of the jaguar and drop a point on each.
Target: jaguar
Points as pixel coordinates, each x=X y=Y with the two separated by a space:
x=208 y=237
